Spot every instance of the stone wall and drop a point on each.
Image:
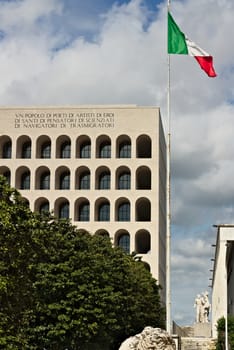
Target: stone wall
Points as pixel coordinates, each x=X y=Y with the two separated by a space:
x=196 y=343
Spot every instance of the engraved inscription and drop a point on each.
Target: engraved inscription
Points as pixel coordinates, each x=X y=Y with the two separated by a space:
x=69 y=120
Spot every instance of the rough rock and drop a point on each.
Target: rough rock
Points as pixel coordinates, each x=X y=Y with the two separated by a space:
x=149 y=339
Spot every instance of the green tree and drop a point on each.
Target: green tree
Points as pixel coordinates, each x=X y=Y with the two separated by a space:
x=220 y=345
x=61 y=287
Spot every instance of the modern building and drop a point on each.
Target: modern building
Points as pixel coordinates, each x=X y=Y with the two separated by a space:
x=223 y=275
x=102 y=166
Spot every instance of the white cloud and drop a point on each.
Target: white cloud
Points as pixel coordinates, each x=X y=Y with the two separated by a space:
x=25 y=14
x=114 y=69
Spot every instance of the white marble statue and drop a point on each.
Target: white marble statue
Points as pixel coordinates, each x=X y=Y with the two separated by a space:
x=206 y=307
x=198 y=306
x=149 y=339
x=203 y=307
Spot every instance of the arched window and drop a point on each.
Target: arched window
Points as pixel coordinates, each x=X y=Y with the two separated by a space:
x=124 y=243
x=85 y=150
x=64 y=181
x=84 y=181
x=25 y=181
x=143 y=178
x=104 y=212
x=64 y=210
x=43 y=147
x=25 y=202
x=7 y=148
x=143 y=147
x=102 y=233
x=26 y=150
x=142 y=242
x=125 y=149
x=143 y=210
x=45 y=181
x=147 y=266
x=105 y=150
x=65 y=150
x=104 y=181
x=124 y=181
x=44 y=207
x=46 y=150
x=124 y=212
x=84 y=212
x=7 y=175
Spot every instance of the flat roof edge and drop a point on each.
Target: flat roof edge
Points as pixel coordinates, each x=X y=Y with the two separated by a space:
x=223 y=225
x=77 y=106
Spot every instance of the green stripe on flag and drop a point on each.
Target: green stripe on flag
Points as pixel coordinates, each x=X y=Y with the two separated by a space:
x=176 y=39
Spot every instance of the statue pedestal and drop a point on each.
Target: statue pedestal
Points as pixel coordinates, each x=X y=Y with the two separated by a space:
x=202 y=330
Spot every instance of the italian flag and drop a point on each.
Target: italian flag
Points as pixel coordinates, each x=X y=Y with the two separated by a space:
x=178 y=43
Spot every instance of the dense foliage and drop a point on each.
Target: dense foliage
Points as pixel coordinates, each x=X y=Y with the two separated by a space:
x=62 y=288
x=221 y=333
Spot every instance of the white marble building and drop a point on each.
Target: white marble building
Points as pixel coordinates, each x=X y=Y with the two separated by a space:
x=223 y=275
x=102 y=166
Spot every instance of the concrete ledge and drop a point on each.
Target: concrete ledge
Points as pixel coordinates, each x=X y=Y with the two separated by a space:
x=198 y=343
x=202 y=330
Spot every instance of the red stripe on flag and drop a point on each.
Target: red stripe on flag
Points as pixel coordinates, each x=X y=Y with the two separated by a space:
x=206 y=63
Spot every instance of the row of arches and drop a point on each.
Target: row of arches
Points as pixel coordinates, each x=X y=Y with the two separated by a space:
x=100 y=210
x=63 y=147
x=142 y=240
x=82 y=178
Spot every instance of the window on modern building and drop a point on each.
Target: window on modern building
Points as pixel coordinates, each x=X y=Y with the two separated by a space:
x=84 y=181
x=105 y=149
x=46 y=150
x=102 y=232
x=147 y=266
x=104 y=181
x=64 y=210
x=25 y=202
x=142 y=242
x=65 y=150
x=104 y=212
x=143 y=148
x=143 y=210
x=124 y=212
x=84 y=210
x=83 y=147
x=124 y=242
x=44 y=207
x=25 y=181
x=7 y=149
x=143 y=178
x=85 y=150
x=64 y=183
x=124 y=181
x=43 y=147
x=26 y=150
x=7 y=175
x=45 y=181
x=125 y=149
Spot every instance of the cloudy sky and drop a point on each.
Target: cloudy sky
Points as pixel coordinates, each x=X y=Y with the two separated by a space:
x=60 y=52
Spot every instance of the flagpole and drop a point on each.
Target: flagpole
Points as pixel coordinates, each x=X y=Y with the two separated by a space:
x=168 y=229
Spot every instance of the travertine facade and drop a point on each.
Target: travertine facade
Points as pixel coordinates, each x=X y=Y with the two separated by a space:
x=223 y=275
x=102 y=166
